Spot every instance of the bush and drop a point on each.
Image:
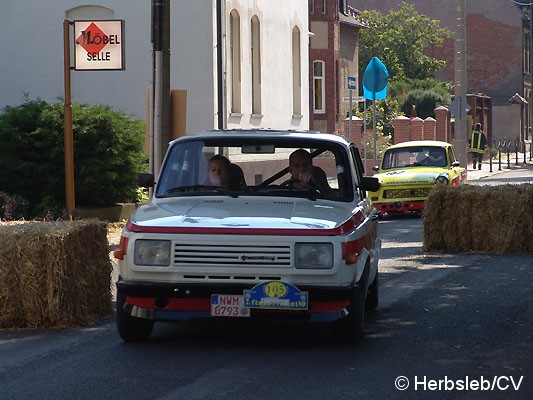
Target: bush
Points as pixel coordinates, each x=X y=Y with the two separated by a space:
x=367 y=143
x=425 y=95
x=108 y=155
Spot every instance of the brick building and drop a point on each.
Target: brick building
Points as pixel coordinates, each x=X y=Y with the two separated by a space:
x=333 y=57
x=498 y=42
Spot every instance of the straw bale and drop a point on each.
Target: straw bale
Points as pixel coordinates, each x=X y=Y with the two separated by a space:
x=496 y=219
x=54 y=274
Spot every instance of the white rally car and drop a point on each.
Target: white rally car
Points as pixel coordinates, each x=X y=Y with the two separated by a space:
x=251 y=242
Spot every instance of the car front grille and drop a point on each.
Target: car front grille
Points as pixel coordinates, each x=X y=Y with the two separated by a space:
x=228 y=255
x=406 y=193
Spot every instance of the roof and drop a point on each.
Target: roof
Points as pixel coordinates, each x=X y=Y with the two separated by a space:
x=266 y=135
x=349 y=20
x=437 y=143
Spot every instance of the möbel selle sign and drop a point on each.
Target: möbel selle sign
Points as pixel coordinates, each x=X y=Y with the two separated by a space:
x=99 y=45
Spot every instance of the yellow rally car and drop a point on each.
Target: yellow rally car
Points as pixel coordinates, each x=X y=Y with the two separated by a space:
x=408 y=172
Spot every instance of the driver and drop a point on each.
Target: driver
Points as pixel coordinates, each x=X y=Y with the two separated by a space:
x=436 y=158
x=303 y=174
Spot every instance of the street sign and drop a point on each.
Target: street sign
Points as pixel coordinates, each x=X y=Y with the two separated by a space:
x=99 y=45
x=459 y=108
x=375 y=80
x=351 y=83
x=346 y=99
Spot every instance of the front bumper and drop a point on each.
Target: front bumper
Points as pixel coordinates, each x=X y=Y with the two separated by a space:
x=400 y=207
x=178 y=302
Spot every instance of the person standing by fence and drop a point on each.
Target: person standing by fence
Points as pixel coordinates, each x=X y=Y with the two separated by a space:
x=478 y=143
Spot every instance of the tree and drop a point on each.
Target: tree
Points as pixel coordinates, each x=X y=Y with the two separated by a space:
x=399 y=40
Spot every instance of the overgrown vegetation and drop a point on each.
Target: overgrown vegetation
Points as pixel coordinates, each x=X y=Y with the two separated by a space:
x=400 y=39
x=425 y=95
x=108 y=155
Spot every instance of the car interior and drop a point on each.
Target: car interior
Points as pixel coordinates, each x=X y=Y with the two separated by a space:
x=258 y=168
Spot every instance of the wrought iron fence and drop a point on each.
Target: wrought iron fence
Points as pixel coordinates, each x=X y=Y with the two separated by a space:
x=511 y=149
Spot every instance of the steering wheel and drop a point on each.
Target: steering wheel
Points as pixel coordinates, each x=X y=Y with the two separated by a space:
x=312 y=182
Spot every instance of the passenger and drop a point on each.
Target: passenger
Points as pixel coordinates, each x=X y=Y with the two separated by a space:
x=219 y=171
x=304 y=175
x=236 y=179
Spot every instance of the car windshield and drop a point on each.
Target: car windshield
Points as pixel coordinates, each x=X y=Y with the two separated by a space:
x=415 y=156
x=236 y=166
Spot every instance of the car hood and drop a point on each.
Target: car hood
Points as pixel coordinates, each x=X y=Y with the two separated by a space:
x=412 y=176
x=242 y=212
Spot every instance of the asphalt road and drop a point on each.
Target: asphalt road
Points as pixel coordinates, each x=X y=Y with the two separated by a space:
x=446 y=323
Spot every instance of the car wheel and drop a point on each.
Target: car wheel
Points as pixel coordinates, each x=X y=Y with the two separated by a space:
x=372 y=297
x=350 y=328
x=132 y=329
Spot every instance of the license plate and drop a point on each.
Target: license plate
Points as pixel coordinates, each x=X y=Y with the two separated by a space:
x=228 y=305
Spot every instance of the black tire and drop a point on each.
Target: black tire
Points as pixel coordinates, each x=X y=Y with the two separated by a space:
x=372 y=297
x=132 y=329
x=350 y=328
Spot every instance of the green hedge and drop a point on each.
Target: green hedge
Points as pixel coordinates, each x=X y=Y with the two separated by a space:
x=108 y=155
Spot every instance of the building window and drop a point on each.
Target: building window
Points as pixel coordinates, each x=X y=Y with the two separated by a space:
x=312 y=6
x=318 y=87
x=343 y=7
x=255 y=41
x=235 y=59
x=324 y=7
x=296 y=73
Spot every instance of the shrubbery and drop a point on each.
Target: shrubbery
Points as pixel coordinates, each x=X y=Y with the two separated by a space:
x=108 y=155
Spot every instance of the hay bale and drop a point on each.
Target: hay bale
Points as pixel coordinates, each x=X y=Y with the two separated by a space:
x=54 y=274
x=496 y=219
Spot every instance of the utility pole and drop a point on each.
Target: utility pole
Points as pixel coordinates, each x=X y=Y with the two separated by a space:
x=160 y=93
x=461 y=83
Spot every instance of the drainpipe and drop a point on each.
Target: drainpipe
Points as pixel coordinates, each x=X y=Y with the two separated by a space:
x=219 y=62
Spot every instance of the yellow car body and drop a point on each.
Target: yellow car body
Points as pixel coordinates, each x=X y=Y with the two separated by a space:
x=409 y=170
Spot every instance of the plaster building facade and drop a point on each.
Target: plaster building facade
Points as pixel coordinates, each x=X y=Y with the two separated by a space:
x=260 y=53
x=498 y=54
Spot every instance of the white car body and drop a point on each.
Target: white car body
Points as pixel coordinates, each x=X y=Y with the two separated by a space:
x=197 y=246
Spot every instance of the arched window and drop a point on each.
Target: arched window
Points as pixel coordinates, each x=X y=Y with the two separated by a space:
x=255 y=41
x=296 y=73
x=319 y=73
x=235 y=59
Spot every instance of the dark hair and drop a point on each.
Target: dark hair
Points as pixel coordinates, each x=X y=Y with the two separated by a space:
x=224 y=160
x=302 y=152
x=236 y=177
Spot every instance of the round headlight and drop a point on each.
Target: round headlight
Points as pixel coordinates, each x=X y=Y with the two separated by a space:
x=442 y=180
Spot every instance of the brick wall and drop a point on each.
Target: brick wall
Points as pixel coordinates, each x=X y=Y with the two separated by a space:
x=406 y=129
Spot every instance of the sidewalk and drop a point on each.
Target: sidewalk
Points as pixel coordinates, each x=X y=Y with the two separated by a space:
x=485 y=167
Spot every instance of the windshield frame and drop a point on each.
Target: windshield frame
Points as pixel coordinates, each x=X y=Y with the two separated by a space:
x=257 y=184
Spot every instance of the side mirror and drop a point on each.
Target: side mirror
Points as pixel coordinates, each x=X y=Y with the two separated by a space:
x=456 y=164
x=375 y=168
x=146 y=180
x=370 y=184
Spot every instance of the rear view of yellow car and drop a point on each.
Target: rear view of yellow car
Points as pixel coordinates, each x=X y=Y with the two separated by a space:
x=409 y=170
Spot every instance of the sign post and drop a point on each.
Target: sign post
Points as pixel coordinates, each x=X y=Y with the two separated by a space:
x=99 y=46
x=67 y=125
x=375 y=83
x=351 y=86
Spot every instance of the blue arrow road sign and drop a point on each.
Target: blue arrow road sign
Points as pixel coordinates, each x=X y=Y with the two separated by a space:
x=351 y=83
